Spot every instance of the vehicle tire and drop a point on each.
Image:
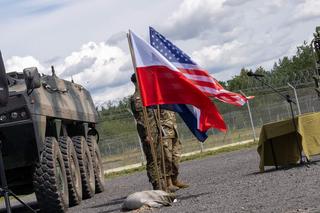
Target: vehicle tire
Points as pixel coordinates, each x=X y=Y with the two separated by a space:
x=97 y=163
x=50 y=180
x=72 y=170
x=86 y=166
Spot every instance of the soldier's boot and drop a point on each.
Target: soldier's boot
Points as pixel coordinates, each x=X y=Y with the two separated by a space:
x=170 y=186
x=179 y=183
x=164 y=185
x=161 y=186
x=155 y=186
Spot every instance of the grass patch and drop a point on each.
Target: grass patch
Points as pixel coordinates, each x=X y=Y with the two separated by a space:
x=186 y=158
x=218 y=151
x=112 y=175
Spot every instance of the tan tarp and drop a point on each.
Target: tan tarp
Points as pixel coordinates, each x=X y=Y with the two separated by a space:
x=284 y=143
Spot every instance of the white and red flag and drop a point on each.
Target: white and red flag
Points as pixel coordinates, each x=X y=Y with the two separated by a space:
x=162 y=83
x=200 y=77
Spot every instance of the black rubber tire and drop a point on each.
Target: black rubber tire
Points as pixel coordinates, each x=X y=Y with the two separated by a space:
x=72 y=170
x=86 y=166
x=97 y=163
x=50 y=179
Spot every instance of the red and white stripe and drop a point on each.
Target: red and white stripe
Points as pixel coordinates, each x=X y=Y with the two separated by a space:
x=161 y=82
x=209 y=85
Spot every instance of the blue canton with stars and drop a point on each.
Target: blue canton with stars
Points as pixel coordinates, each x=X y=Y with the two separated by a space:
x=171 y=52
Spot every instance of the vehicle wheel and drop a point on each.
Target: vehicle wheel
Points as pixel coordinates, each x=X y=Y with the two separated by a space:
x=86 y=166
x=72 y=170
x=50 y=180
x=97 y=163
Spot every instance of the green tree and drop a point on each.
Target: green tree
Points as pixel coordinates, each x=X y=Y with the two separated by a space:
x=239 y=81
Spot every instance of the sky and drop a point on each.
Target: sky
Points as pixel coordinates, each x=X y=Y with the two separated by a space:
x=86 y=39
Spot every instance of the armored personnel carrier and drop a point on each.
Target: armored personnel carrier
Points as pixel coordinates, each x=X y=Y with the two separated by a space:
x=49 y=138
x=316 y=55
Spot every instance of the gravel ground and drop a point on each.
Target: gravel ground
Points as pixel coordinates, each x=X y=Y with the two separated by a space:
x=227 y=182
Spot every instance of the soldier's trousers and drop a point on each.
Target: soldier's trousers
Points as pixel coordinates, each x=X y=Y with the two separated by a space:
x=172 y=155
x=150 y=167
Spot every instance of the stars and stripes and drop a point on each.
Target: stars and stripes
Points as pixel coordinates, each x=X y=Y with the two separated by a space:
x=201 y=78
x=160 y=83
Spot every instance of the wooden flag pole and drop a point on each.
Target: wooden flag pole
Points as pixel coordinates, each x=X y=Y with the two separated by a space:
x=161 y=145
x=145 y=117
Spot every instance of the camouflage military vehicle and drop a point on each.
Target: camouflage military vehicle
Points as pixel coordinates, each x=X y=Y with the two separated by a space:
x=49 y=138
x=316 y=53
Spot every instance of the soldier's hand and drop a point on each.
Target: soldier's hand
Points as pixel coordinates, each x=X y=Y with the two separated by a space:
x=148 y=139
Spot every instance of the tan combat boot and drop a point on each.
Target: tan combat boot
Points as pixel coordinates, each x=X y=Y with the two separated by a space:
x=178 y=183
x=170 y=186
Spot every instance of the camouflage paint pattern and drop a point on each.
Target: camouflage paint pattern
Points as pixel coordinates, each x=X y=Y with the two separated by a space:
x=317 y=44
x=171 y=142
x=63 y=99
x=316 y=55
x=136 y=108
x=53 y=108
x=59 y=99
x=168 y=123
x=56 y=99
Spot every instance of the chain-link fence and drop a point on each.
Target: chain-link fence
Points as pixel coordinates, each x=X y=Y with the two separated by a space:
x=124 y=149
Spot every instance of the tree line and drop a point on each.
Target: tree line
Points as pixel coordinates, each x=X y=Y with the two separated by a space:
x=298 y=69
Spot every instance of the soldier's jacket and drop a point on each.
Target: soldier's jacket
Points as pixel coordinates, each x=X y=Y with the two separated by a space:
x=168 y=123
x=137 y=110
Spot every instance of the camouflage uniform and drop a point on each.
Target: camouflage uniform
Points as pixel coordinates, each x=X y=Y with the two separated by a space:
x=136 y=107
x=171 y=142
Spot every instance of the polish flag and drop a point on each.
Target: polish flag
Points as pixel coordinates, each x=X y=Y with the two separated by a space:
x=161 y=82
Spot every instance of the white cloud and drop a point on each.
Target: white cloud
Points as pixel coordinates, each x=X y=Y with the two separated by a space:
x=307 y=9
x=235 y=2
x=113 y=94
x=96 y=66
x=221 y=35
x=58 y=32
x=192 y=18
x=215 y=54
x=17 y=63
x=225 y=35
x=103 y=69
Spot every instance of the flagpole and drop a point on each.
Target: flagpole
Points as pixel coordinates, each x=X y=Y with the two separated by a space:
x=144 y=110
x=161 y=145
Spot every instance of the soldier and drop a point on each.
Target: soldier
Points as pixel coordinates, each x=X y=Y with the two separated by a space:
x=172 y=149
x=136 y=107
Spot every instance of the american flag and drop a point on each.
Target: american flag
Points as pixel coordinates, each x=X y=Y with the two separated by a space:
x=200 y=77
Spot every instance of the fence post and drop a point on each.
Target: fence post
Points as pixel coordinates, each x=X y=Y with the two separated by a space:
x=142 y=153
x=296 y=96
x=250 y=115
x=201 y=147
x=140 y=143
